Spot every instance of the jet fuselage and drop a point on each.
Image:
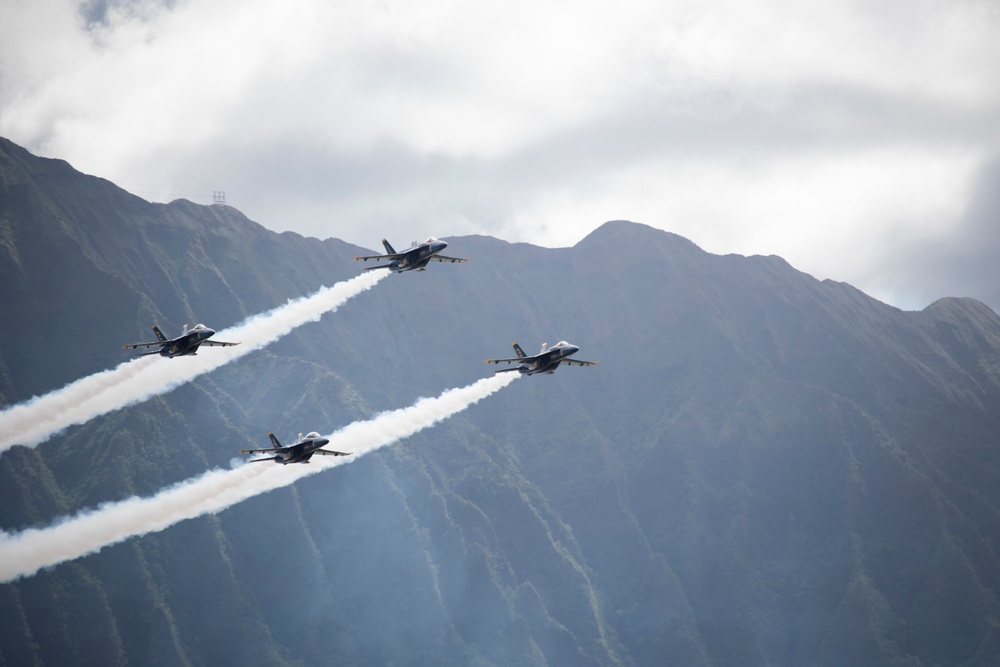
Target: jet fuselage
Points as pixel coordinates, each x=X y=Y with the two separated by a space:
x=417 y=257
x=548 y=361
x=300 y=452
x=187 y=343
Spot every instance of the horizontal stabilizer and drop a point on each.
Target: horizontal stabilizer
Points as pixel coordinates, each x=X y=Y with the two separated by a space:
x=268 y=458
x=142 y=354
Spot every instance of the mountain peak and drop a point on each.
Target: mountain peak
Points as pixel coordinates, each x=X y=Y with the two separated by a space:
x=634 y=233
x=752 y=445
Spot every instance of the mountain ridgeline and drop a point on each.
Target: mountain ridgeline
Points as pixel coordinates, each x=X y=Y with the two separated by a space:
x=764 y=468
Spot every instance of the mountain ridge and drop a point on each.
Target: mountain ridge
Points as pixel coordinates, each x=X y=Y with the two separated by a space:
x=765 y=468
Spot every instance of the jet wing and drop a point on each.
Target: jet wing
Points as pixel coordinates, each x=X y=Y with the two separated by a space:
x=269 y=450
x=439 y=258
x=392 y=256
x=217 y=343
x=132 y=346
x=145 y=354
x=516 y=360
x=330 y=452
x=579 y=362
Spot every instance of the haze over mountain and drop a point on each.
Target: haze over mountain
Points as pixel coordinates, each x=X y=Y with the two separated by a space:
x=763 y=469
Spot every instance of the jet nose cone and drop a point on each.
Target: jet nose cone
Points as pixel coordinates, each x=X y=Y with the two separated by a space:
x=206 y=332
x=440 y=245
x=322 y=441
x=570 y=349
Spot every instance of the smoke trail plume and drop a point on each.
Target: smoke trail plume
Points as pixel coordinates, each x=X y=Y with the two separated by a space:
x=23 y=554
x=38 y=419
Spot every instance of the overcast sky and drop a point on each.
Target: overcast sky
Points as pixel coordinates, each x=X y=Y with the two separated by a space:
x=858 y=140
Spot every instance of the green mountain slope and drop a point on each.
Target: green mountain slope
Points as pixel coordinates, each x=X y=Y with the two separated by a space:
x=763 y=469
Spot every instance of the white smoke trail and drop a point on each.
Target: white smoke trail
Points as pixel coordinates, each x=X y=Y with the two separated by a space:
x=23 y=554
x=38 y=419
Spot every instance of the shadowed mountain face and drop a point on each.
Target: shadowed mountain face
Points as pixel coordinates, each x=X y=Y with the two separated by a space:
x=763 y=469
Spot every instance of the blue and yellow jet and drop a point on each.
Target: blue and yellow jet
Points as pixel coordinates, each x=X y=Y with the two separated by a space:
x=184 y=345
x=414 y=258
x=545 y=361
x=300 y=452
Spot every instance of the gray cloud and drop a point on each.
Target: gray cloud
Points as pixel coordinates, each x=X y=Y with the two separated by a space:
x=963 y=262
x=826 y=132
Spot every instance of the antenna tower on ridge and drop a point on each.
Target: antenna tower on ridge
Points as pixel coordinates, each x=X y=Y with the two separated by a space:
x=219 y=197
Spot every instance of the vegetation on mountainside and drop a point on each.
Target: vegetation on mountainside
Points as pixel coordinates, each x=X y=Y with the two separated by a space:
x=763 y=469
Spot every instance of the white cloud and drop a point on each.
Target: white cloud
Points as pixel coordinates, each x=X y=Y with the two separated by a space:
x=831 y=213
x=532 y=121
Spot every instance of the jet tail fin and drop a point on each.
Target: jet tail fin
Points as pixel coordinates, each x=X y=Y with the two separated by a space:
x=520 y=352
x=159 y=334
x=388 y=248
x=274 y=441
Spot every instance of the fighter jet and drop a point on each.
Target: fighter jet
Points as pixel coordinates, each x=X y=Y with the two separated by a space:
x=300 y=452
x=185 y=344
x=546 y=361
x=413 y=258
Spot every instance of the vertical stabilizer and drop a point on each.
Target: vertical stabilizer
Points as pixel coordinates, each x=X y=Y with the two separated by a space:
x=388 y=248
x=159 y=334
x=520 y=352
x=274 y=441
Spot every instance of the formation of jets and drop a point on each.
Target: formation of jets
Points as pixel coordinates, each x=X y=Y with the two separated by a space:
x=186 y=344
x=414 y=258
